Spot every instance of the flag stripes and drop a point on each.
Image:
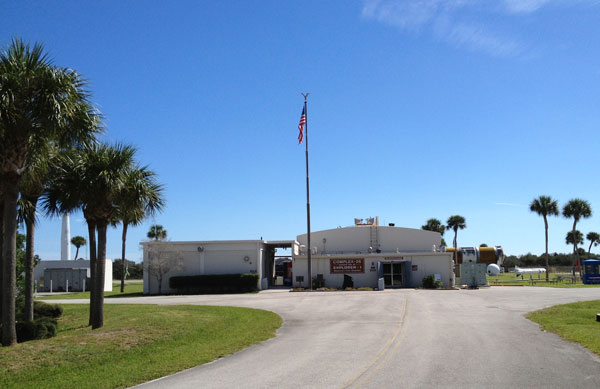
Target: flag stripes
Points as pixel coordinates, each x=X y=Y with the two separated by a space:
x=301 y=125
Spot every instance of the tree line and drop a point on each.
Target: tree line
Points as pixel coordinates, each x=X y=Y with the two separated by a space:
x=575 y=209
x=554 y=259
x=52 y=162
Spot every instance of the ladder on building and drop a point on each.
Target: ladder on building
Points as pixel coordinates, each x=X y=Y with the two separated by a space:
x=374 y=237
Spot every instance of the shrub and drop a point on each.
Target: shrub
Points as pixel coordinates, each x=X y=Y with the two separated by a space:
x=215 y=283
x=41 y=309
x=318 y=283
x=429 y=282
x=42 y=328
x=44 y=321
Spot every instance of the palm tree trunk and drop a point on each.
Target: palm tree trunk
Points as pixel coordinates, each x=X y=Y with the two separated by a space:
x=575 y=254
x=29 y=244
x=547 y=262
x=76 y=251
x=124 y=238
x=92 y=245
x=11 y=194
x=1 y=250
x=100 y=276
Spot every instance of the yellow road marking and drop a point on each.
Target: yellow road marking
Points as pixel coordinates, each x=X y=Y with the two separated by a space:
x=393 y=351
x=383 y=350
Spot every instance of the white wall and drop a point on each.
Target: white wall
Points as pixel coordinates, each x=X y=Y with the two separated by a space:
x=358 y=239
x=215 y=257
x=426 y=264
x=38 y=271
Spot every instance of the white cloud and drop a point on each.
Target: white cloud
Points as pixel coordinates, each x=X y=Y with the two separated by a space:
x=509 y=204
x=462 y=23
x=524 y=6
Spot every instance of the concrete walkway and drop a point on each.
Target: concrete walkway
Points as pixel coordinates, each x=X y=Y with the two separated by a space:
x=397 y=338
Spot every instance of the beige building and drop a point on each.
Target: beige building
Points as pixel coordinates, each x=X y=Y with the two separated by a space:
x=374 y=256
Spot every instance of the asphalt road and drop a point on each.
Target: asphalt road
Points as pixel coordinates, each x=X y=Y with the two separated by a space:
x=397 y=338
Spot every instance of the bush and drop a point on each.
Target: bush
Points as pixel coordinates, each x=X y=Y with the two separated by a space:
x=318 y=283
x=43 y=325
x=42 y=328
x=429 y=282
x=215 y=283
x=41 y=309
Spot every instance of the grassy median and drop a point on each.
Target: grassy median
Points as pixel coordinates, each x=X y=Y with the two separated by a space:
x=137 y=343
x=574 y=322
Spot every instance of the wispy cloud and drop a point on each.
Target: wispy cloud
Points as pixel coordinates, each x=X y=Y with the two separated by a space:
x=509 y=204
x=524 y=6
x=463 y=23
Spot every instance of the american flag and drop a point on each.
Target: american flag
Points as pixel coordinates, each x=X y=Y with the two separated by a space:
x=301 y=125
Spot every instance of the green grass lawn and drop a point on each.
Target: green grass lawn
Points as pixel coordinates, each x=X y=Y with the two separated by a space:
x=574 y=322
x=131 y=290
x=137 y=343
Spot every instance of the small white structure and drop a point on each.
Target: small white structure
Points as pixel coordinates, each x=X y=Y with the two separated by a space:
x=68 y=266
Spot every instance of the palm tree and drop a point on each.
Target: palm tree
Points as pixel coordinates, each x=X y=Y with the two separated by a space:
x=39 y=104
x=577 y=209
x=32 y=187
x=578 y=236
x=140 y=197
x=78 y=241
x=434 y=225
x=157 y=232
x=96 y=177
x=594 y=239
x=456 y=223
x=544 y=206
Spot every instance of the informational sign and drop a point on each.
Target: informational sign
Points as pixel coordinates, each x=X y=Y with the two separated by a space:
x=350 y=265
x=437 y=277
x=415 y=267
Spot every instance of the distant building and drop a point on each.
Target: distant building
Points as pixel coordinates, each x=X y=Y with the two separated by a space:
x=61 y=271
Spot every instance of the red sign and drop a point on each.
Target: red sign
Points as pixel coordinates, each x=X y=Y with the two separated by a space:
x=341 y=265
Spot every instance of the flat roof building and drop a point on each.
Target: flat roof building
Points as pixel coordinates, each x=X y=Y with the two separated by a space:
x=372 y=255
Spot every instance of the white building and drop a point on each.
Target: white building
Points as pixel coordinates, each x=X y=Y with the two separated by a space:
x=66 y=271
x=68 y=266
x=374 y=256
x=208 y=257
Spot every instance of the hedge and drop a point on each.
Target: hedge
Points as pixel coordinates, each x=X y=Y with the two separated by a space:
x=215 y=283
x=43 y=325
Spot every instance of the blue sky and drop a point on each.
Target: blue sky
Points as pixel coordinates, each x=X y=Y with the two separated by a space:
x=416 y=110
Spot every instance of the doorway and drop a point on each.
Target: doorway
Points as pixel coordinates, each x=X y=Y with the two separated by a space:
x=393 y=274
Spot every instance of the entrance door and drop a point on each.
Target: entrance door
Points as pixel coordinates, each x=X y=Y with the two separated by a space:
x=392 y=274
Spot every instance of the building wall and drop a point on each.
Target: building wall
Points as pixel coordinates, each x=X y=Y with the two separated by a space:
x=38 y=271
x=66 y=279
x=417 y=267
x=198 y=258
x=358 y=239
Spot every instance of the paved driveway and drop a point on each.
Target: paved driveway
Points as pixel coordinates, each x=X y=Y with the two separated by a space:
x=398 y=338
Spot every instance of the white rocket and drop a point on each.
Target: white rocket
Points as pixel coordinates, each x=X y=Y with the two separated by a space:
x=65 y=238
x=532 y=270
